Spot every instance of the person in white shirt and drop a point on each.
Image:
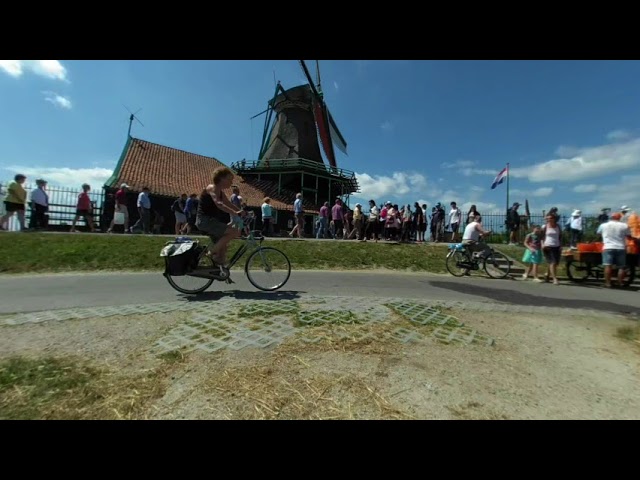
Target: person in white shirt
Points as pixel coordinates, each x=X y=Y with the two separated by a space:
x=625 y=214
x=575 y=224
x=614 y=251
x=552 y=246
x=471 y=237
x=455 y=219
x=39 y=205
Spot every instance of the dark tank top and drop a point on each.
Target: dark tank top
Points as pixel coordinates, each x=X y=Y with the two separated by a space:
x=208 y=208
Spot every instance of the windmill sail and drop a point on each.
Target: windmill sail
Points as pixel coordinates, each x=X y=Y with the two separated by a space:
x=324 y=131
x=336 y=136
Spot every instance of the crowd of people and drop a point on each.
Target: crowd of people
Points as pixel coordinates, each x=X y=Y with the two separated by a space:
x=386 y=222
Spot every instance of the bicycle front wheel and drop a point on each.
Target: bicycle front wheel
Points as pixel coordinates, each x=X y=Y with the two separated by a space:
x=268 y=269
x=497 y=265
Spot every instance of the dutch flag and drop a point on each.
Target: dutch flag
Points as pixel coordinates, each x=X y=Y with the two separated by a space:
x=500 y=177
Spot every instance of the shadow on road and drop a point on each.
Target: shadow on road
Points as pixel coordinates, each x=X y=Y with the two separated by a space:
x=515 y=297
x=243 y=295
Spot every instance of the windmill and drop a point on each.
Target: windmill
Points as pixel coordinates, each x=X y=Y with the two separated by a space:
x=132 y=118
x=302 y=122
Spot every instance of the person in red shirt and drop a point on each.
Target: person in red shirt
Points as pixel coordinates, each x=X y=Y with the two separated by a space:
x=121 y=207
x=84 y=209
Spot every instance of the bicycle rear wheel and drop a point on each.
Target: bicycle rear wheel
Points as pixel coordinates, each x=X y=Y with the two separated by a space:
x=191 y=284
x=456 y=258
x=268 y=269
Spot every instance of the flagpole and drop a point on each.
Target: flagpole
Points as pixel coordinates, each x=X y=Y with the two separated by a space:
x=507 y=218
x=507 y=187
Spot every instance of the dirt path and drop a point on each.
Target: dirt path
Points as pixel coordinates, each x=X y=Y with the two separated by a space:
x=358 y=361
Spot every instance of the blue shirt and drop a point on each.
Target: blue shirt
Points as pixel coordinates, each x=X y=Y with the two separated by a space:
x=144 y=201
x=297 y=206
x=266 y=210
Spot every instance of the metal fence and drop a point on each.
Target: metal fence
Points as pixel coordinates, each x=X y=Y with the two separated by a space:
x=62 y=207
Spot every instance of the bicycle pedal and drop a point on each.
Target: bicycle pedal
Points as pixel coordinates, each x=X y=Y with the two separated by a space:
x=229 y=281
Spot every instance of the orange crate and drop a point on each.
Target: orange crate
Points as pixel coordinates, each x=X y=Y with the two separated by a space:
x=598 y=246
x=586 y=247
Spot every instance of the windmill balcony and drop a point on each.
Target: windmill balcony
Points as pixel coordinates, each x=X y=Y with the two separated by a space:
x=290 y=164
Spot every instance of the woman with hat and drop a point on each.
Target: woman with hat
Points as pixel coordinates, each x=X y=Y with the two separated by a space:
x=576 y=227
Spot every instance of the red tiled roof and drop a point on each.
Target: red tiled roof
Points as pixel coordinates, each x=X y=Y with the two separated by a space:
x=170 y=172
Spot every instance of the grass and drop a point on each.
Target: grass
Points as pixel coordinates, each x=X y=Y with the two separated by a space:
x=631 y=334
x=33 y=252
x=69 y=388
x=29 y=387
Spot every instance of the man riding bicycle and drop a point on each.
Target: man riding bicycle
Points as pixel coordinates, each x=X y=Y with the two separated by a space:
x=471 y=237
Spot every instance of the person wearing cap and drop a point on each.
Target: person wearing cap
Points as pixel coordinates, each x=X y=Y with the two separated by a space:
x=513 y=223
x=604 y=216
x=614 y=252
x=576 y=227
x=358 y=223
x=437 y=223
x=121 y=207
x=39 y=205
x=624 y=210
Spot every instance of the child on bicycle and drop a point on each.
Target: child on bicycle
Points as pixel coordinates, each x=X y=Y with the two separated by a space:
x=533 y=253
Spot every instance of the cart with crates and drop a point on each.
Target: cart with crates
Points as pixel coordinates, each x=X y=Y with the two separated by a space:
x=586 y=262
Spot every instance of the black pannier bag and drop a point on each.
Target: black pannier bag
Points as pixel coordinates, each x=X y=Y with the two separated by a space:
x=181 y=256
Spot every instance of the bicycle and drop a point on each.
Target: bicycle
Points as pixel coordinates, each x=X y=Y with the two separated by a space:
x=460 y=262
x=194 y=262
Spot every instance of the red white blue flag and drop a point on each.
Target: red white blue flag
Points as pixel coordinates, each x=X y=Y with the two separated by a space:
x=500 y=177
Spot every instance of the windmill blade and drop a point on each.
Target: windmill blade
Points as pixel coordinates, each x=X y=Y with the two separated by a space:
x=336 y=136
x=258 y=114
x=309 y=79
x=138 y=121
x=526 y=208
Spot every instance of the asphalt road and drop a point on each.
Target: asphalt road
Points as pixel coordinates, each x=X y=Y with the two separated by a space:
x=57 y=291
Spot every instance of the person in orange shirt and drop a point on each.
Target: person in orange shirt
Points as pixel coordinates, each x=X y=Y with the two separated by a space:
x=633 y=221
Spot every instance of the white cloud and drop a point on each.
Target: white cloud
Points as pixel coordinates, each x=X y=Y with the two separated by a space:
x=484 y=208
x=336 y=86
x=625 y=192
x=585 y=163
x=52 y=69
x=64 y=176
x=386 y=126
x=618 y=135
x=458 y=164
x=590 y=188
x=397 y=185
x=468 y=168
x=542 y=192
x=57 y=100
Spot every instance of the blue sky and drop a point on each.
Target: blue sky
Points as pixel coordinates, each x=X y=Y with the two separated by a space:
x=416 y=130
